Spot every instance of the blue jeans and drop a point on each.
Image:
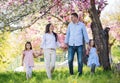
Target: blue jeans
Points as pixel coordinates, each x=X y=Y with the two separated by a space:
x=71 y=53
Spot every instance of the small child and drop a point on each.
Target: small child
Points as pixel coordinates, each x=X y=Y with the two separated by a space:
x=93 y=60
x=27 y=59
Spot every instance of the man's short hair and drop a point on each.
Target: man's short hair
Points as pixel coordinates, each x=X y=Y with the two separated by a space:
x=75 y=14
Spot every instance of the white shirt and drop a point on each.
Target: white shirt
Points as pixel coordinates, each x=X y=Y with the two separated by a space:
x=49 y=41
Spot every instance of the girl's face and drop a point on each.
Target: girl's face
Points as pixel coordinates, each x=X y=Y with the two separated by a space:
x=51 y=28
x=92 y=43
x=28 y=46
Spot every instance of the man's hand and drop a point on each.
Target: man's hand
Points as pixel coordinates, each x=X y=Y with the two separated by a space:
x=87 y=49
x=65 y=47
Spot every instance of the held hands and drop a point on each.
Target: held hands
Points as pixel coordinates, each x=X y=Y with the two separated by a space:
x=87 y=49
x=37 y=53
x=87 y=52
x=64 y=47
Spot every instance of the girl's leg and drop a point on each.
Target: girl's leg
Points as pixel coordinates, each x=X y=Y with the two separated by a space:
x=30 y=71
x=27 y=72
x=53 y=59
x=93 y=68
x=47 y=62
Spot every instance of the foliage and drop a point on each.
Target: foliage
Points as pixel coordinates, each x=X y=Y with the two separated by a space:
x=27 y=15
x=116 y=53
x=4 y=47
x=13 y=12
x=111 y=18
x=10 y=47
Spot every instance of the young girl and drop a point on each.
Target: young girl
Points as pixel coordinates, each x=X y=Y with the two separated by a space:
x=93 y=60
x=49 y=45
x=27 y=59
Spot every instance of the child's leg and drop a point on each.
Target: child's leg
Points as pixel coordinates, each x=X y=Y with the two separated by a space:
x=47 y=62
x=53 y=59
x=93 y=68
x=27 y=72
x=30 y=71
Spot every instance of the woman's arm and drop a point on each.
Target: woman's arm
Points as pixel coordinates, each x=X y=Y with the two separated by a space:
x=37 y=54
x=34 y=54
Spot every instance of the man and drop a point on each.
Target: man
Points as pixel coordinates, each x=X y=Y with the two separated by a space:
x=74 y=41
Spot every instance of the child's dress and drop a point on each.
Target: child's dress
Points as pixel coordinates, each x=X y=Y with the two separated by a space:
x=28 y=62
x=28 y=58
x=93 y=58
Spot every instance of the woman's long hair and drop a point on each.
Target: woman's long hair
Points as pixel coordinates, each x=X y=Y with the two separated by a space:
x=47 y=30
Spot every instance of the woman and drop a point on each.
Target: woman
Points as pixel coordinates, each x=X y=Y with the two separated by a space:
x=49 y=45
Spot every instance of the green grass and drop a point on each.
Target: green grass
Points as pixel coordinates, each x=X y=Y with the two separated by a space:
x=61 y=76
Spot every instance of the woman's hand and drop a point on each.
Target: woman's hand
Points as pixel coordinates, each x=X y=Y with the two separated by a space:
x=64 y=47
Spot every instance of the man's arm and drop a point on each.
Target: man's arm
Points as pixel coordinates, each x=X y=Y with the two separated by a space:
x=85 y=34
x=86 y=38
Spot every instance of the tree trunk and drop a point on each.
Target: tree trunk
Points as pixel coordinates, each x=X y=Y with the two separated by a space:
x=99 y=37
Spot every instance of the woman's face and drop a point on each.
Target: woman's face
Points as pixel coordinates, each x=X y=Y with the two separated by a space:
x=51 y=28
x=28 y=46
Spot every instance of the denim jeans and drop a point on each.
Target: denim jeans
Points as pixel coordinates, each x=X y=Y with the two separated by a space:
x=71 y=52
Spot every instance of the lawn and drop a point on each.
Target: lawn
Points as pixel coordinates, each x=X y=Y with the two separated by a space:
x=61 y=75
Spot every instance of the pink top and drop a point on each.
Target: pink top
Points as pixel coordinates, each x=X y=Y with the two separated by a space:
x=28 y=58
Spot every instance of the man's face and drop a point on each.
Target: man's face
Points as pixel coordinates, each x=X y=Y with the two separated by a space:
x=73 y=18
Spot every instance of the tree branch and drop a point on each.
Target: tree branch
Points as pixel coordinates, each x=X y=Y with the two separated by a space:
x=112 y=42
x=33 y=22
